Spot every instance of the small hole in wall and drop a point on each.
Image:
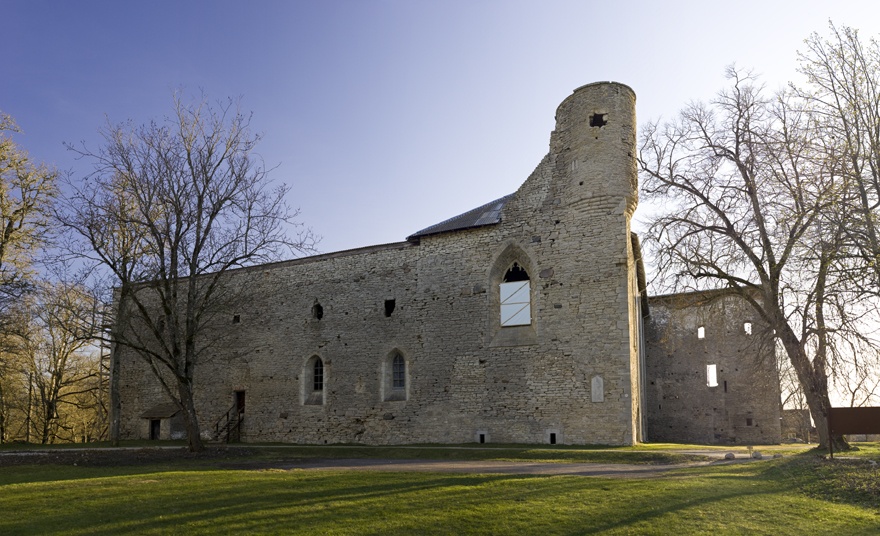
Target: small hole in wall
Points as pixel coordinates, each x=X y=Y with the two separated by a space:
x=749 y=421
x=747 y=327
x=598 y=120
x=389 y=307
x=317 y=311
x=552 y=438
x=236 y=319
x=581 y=183
x=725 y=384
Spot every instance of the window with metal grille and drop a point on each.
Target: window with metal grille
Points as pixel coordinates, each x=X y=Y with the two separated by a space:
x=318 y=375
x=515 y=294
x=398 y=372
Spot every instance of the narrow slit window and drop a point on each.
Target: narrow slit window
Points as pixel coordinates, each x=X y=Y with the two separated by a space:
x=712 y=375
x=515 y=293
x=701 y=332
x=389 y=307
x=747 y=327
x=317 y=311
x=398 y=372
x=318 y=375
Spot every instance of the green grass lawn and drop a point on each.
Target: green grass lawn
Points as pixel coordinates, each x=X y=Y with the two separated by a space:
x=793 y=495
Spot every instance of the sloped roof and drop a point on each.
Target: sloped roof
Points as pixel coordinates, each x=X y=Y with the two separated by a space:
x=161 y=411
x=487 y=214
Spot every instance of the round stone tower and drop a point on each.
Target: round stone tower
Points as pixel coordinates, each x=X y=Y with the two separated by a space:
x=594 y=142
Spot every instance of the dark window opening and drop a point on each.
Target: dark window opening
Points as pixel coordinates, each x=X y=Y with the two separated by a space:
x=398 y=372
x=239 y=401
x=317 y=311
x=516 y=273
x=749 y=421
x=552 y=438
x=318 y=375
x=598 y=120
x=235 y=319
x=389 y=307
x=482 y=438
x=725 y=385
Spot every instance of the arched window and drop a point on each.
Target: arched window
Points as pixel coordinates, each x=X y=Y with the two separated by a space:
x=318 y=375
x=313 y=381
x=398 y=372
x=515 y=293
x=395 y=377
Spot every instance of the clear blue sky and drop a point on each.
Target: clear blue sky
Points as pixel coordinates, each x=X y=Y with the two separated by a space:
x=385 y=116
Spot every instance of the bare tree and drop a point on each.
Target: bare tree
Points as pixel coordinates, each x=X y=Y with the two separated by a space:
x=27 y=191
x=843 y=90
x=169 y=209
x=748 y=194
x=58 y=355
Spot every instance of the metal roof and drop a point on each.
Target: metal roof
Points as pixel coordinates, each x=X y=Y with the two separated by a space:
x=488 y=214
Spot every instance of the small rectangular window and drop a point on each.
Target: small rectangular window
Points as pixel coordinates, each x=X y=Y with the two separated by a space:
x=701 y=332
x=515 y=304
x=712 y=375
x=747 y=327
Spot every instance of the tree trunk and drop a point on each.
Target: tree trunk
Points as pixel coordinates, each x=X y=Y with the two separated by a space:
x=193 y=433
x=119 y=322
x=815 y=385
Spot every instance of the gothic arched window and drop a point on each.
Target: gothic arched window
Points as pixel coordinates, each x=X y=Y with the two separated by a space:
x=398 y=372
x=318 y=375
x=515 y=293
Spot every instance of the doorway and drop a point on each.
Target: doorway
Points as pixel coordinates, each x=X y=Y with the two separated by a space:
x=239 y=402
x=155 y=428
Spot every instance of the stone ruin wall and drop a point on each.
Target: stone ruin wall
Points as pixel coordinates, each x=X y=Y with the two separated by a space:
x=744 y=407
x=572 y=375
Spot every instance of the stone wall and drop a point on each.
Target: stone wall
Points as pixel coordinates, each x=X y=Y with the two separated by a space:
x=686 y=334
x=570 y=376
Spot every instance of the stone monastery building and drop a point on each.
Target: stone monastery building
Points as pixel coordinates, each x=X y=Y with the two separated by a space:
x=521 y=321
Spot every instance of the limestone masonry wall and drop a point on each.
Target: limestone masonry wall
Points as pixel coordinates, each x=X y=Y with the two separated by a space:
x=687 y=334
x=573 y=374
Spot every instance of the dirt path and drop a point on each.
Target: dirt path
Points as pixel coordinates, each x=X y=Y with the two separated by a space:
x=242 y=458
x=481 y=467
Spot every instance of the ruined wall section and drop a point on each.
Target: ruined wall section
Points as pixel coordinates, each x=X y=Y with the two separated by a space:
x=744 y=405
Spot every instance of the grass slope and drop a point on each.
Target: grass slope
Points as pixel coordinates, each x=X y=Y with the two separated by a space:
x=793 y=495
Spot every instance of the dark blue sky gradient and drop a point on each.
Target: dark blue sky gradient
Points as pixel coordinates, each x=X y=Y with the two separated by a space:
x=385 y=116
